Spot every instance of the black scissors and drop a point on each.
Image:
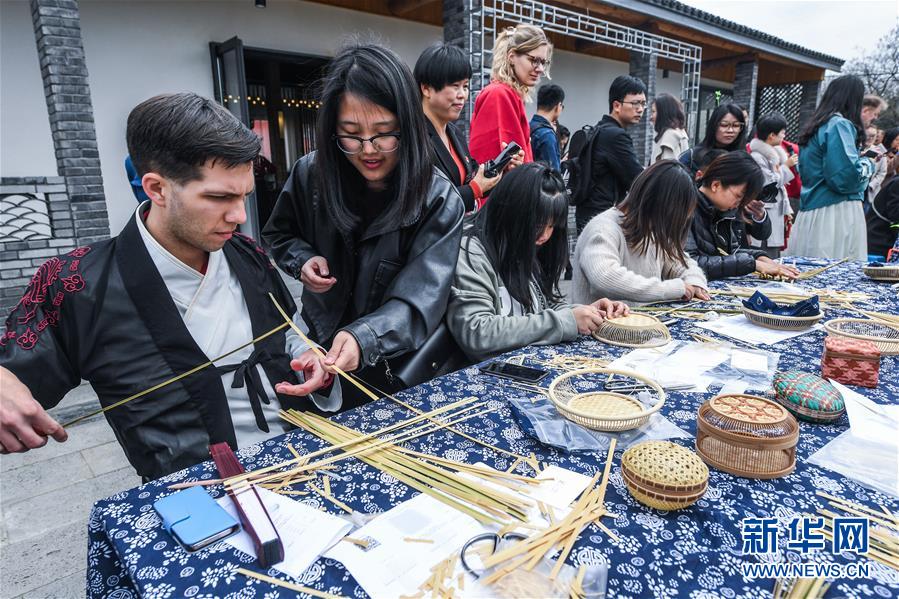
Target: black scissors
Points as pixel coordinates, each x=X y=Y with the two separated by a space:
x=487 y=536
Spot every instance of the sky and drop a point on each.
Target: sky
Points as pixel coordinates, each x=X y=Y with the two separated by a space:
x=841 y=28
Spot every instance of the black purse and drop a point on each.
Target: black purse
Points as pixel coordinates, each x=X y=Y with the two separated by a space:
x=438 y=355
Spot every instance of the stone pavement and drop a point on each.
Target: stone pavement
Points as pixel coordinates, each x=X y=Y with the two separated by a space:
x=46 y=496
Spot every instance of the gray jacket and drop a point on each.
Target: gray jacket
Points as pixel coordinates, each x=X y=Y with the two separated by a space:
x=486 y=321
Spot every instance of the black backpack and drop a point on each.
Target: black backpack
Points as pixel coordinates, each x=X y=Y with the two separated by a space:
x=576 y=171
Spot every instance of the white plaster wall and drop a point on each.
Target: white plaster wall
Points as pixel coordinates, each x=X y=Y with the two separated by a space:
x=136 y=49
x=26 y=146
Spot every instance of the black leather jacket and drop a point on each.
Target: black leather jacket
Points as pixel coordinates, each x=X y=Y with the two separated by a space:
x=715 y=238
x=393 y=280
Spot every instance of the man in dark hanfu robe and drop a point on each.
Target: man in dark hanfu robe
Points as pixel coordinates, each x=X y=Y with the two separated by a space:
x=177 y=287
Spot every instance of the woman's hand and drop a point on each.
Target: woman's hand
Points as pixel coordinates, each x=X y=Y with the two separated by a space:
x=486 y=183
x=344 y=354
x=611 y=309
x=695 y=291
x=756 y=210
x=314 y=374
x=316 y=276
x=588 y=319
x=517 y=159
x=792 y=161
x=767 y=266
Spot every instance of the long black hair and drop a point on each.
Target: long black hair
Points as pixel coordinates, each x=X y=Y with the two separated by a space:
x=708 y=142
x=658 y=210
x=844 y=95
x=735 y=168
x=669 y=114
x=525 y=201
x=377 y=74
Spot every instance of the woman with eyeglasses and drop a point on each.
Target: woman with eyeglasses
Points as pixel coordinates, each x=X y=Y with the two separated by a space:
x=726 y=186
x=521 y=56
x=725 y=130
x=505 y=292
x=442 y=73
x=367 y=225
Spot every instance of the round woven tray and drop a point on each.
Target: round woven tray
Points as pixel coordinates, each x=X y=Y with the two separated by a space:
x=747 y=436
x=780 y=322
x=882 y=273
x=663 y=475
x=601 y=410
x=633 y=330
x=882 y=334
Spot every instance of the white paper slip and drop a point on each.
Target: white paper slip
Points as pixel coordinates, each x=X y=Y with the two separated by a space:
x=739 y=328
x=559 y=487
x=733 y=388
x=405 y=542
x=875 y=422
x=748 y=360
x=305 y=532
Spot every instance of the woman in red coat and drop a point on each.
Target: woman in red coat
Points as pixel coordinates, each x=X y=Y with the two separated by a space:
x=521 y=55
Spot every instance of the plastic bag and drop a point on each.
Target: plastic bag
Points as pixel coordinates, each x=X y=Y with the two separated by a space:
x=540 y=420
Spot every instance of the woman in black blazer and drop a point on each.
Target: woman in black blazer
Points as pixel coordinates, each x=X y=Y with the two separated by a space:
x=442 y=73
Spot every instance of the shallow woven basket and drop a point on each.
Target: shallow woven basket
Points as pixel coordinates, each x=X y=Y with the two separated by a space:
x=747 y=436
x=663 y=475
x=882 y=334
x=589 y=404
x=780 y=322
x=882 y=273
x=633 y=330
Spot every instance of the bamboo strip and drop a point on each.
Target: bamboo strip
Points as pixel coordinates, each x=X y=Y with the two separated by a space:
x=176 y=378
x=414 y=540
x=331 y=498
x=287 y=585
x=358 y=542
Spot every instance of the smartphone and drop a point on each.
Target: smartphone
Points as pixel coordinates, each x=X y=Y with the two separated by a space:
x=195 y=519
x=493 y=167
x=515 y=372
x=871 y=154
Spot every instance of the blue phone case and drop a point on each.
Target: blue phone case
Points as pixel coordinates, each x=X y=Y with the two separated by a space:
x=192 y=516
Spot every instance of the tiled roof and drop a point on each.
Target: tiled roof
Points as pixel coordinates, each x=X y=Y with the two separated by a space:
x=701 y=15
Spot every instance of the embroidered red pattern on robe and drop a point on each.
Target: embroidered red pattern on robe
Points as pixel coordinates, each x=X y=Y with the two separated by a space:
x=35 y=298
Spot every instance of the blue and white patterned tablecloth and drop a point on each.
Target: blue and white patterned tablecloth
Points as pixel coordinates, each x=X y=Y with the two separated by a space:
x=692 y=553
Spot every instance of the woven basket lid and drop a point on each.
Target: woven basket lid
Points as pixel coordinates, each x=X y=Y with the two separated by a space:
x=808 y=391
x=634 y=321
x=748 y=409
x=633 y=330
x=664 y=465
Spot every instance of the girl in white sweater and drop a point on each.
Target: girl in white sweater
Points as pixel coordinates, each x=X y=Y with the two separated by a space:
x=634 y=252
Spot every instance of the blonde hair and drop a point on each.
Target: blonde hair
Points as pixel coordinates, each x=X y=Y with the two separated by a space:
x=520 y=39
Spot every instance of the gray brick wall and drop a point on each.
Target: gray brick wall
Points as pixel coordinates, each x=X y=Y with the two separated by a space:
x=746 y=86
x=643 y=66
x=811 y=92
x=456 y=28
x=75 y=200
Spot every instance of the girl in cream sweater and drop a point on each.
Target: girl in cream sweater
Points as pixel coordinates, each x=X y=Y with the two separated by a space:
x=634 y=252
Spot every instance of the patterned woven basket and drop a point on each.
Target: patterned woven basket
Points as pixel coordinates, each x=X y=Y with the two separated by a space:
x=633 y=330
x=583 y=397
x=882 y=273
x=747 y=436
x=808 y=397
x=780 y=322
x=882 y=334
x=663 y=475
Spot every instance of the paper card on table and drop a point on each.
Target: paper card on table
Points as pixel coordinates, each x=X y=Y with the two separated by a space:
x=392 y=565
x=876 y=422
x=560 y=487
x=739 y=328
x=305 y=532
x=748 y=360
x=733 y=388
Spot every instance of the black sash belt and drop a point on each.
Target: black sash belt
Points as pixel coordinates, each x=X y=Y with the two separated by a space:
x=246 y=373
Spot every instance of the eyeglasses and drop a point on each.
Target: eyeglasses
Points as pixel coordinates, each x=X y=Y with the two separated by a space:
x=636 y=103
x=538 y=62
x=730 y=126
x=353 y=144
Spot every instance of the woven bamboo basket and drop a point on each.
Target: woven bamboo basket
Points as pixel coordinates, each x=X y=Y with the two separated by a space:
x=663 y=475
x=633 y=330
x=882 y=273
x=582 y=397
x=747 y=436
x=882 y=334
x=780 y=322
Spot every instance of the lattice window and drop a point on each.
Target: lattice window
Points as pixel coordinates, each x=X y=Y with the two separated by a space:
x=785 y=99
x=24 y=217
